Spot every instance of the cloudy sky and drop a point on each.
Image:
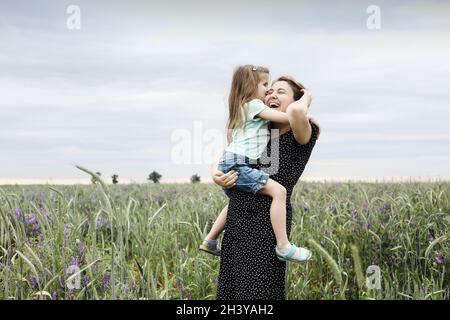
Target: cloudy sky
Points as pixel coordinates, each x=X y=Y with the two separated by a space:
x=141 y=80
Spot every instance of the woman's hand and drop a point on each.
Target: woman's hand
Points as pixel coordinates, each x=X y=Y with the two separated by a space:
x=226 y=180
x=302 y=105
x=307 y=97
x=314 y=121
x=297 y=113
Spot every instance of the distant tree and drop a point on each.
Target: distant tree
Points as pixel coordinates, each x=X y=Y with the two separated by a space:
x=115 y=178
x=195 y=178
x=154 y=176
x=92 y=179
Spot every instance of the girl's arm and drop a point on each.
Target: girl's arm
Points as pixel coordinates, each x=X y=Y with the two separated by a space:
x=274 y=115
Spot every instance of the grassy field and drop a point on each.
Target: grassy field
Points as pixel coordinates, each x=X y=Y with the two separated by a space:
x=140 y=241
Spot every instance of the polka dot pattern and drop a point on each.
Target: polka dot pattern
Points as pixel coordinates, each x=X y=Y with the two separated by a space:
x=249 y=268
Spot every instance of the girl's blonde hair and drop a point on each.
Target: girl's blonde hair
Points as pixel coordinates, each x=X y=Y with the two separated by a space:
x=244 y=88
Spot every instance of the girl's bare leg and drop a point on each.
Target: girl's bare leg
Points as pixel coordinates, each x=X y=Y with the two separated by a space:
x=218 y=225
x=278 y=219
x=277 y=210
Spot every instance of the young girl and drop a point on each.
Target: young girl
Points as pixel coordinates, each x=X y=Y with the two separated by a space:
x=249 y=135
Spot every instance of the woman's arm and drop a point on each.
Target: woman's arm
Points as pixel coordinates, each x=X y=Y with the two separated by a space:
x=298 y=118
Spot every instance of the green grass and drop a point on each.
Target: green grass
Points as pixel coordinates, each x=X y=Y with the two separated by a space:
x=140 y=241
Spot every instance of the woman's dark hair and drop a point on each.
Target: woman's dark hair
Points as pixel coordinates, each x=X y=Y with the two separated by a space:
x=296 y=86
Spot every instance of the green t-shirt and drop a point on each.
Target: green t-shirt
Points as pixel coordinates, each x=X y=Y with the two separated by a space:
x=252 y=138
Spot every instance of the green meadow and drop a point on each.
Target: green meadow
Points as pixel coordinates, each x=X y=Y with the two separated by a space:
x=139 y=241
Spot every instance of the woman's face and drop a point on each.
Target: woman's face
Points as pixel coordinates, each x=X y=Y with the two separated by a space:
x=280 y=96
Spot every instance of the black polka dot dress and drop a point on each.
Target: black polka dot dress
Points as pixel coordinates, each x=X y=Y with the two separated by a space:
x=249 y=268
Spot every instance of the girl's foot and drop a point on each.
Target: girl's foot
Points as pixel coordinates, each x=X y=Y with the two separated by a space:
x=210 y=246
x=293 y=253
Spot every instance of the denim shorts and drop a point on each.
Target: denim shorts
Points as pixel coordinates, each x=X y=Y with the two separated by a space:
x=249 y=179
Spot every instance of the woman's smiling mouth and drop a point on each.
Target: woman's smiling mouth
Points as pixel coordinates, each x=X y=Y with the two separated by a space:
x=273 y=104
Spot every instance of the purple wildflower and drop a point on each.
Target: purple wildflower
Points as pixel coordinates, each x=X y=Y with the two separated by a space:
x=18 y=213
x=85 y=281
x=440 y=259
x=430 y=235
x=74 y=261
x=32 y=226
x=30 y=220
x=41 y=241
x=54 y=295
x=106 y=282
x=181 y=287
x=189 y=296
x=66 y=231
x=35 y=282
x=384 y=208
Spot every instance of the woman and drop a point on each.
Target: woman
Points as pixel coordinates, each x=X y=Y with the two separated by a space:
x=260 y=275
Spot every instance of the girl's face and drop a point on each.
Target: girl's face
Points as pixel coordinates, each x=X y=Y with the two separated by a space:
x=280 y=96
x=263 y=85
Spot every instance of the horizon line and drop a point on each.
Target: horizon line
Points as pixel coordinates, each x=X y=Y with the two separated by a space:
x=87 y=181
